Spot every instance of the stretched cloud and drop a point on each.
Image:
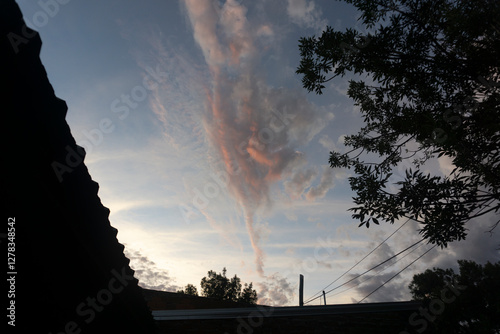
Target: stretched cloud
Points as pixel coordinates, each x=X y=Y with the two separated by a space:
x=254 y=127
x=217 y=106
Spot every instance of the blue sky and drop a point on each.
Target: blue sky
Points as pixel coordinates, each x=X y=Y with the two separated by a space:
x=210 y=154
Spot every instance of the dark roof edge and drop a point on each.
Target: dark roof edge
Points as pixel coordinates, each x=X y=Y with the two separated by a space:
x=284 y=311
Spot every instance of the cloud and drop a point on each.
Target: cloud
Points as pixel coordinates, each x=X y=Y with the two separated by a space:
x=380 y=281
x=446 y=165
x=372 y=282
x=253 y=128
x=148 y=274
x=218 y=116
x=330 y=145
x=324 y=185
x=479 y=246
x=305 y=14
x=225 y=229
x=327 y=143
x=299 y=184
x=300 y=181
x=274 y=291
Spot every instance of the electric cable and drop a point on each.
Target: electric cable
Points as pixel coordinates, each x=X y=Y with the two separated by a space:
x=319 y=292
x=397 y=274
x=378 y=265
x=413 y=261
x=378 y=272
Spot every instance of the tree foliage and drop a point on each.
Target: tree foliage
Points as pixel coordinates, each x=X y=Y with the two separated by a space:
x=221 y=287
x=470 y=299
x=248 y=294
x=431 y=89
x=190 y=289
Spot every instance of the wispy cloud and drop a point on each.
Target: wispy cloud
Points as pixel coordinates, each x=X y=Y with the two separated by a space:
x=300 y=181
x=218 y=106
x=253 y=127
x=148 y=273
x=306 y=14
x=324 y=185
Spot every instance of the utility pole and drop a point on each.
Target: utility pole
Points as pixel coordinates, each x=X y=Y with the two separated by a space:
x=324 y=296
x=301 y=290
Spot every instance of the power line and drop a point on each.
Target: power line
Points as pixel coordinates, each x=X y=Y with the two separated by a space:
x=378 y=272
x=412 y=262
x=378 y=265
x=397 y=274
x=320 y=291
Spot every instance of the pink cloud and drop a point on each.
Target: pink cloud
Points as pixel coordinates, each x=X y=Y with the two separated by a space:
x=252 y=126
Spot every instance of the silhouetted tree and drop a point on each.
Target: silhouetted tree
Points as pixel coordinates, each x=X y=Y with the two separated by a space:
x=221 y=287
x=432 y=90
x=190 y=289
x=248 y=295
x=467 y=302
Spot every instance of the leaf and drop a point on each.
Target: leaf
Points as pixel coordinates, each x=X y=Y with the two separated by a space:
x=418 y=60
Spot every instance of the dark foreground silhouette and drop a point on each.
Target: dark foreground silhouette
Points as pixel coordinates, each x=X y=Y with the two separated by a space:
x=70 y=272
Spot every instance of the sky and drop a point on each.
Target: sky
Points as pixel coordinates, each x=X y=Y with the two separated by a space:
x=210 y=154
